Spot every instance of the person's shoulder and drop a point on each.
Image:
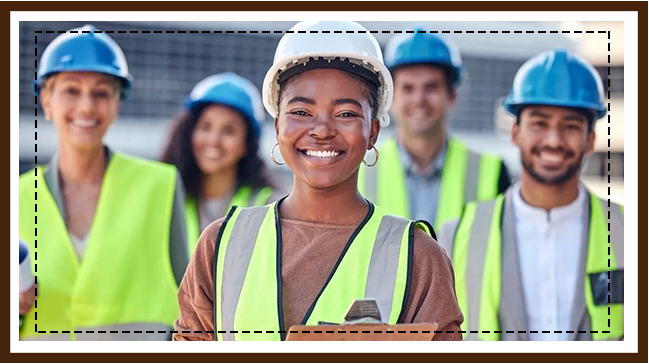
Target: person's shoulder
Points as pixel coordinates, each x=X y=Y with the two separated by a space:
x=211 y=232
x=29 y=175
x=455 y=142
x=489 y=156
x=426 y=246
x=148 y=164
x=207 y=240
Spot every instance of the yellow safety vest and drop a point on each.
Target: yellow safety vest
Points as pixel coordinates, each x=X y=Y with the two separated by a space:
x=478 y=258
x=244 y=197
x=466 y=176
x=126 y=275
x=375 y=263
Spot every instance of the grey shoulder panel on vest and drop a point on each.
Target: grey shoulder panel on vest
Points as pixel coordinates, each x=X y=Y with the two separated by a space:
x=235 y=263
x=178 y=250
x=477 y=251
x=447 y=236
x=384 y=263
x=616 y=221
x=472 y=174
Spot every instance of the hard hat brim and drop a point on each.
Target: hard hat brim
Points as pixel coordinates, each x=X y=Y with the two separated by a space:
x=126 y=80
x=513 y=107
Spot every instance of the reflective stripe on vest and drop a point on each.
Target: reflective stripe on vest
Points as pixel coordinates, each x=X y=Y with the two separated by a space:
x=248 y=293
x=123 y=332
x=244 y=198
x=478 y=267
x=125 y=276
x=466 y=176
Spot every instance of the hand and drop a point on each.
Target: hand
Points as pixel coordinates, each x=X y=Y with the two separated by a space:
x=26 y=300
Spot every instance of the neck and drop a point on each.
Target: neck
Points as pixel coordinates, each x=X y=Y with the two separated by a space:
x=81 y=166
x=217 y=185
x=548 y=197
x=423 y=148
x=342 y=204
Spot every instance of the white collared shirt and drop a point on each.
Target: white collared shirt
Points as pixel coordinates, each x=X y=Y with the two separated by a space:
x=548 y=250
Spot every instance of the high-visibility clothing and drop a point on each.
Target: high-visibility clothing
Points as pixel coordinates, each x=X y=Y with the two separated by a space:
x=376 y=264
x=244 y=197
x=466 y=176
x=488 y=279
x=125 y=276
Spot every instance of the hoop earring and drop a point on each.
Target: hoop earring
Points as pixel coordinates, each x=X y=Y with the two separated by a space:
x=376 y=151
x=272 y=155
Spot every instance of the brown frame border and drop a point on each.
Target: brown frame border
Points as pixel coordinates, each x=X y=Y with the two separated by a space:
x=541 y=9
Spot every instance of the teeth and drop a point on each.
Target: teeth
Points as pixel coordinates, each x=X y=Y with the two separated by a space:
x=212 y=153
x=85 y=123
x=419 y=114
x=551 y=157
x=322 y=153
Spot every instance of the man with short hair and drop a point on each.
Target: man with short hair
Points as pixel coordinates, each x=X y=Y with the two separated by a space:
x=545 y=259
x=423 y=172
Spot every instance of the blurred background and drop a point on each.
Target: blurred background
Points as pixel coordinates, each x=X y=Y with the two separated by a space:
x=166 y=66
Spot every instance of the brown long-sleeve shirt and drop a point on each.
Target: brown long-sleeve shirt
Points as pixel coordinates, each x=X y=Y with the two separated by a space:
x=309 y=254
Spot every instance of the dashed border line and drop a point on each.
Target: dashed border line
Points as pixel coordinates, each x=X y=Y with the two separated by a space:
x=301 y=31
x=318 y=332
x=608 y=97
x=324 y=31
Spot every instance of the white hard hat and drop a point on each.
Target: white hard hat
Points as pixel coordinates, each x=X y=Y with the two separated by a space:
x=329 y=40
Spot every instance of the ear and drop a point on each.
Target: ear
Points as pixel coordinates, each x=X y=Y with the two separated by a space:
x=276 y=128
x=375 y=128
x=46 y=98
x=516 y=128
x=452 y=97
x=590 y=146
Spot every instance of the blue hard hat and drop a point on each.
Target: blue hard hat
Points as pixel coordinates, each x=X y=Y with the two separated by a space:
x=557 y=78
x=231 y=90
x=422 y=47
x=90 y=51
x=23 y=250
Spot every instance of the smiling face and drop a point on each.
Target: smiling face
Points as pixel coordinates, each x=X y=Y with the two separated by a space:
x=325 y=126
x=82 y=105
x=422 y=99
x=219 y=139
x=553 y=142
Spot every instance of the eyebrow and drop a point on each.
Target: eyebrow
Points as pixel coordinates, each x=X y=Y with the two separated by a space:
x=309 y=101
x=347 y=101
x=539 y=113
x=305 y=100
x=578 y=118
x=76 y=79
x=571 y=117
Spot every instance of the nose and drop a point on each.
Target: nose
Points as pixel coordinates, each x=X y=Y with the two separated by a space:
x=553 y=138
x=323 y=127
x=420 y=97
x=214 y=138
x=86 y=106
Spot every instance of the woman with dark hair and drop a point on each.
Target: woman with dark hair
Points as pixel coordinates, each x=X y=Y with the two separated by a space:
x=307 y=257
x=214 y=145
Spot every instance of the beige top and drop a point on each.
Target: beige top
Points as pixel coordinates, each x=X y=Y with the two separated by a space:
x=309 y=253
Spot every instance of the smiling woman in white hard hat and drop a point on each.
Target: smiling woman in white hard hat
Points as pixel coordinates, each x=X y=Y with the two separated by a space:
x=214 y=143
x=307 y=257
x=111 y=232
